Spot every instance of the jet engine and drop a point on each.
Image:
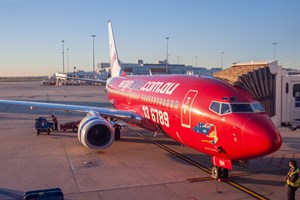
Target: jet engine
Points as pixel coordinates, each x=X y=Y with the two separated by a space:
x=95 y=132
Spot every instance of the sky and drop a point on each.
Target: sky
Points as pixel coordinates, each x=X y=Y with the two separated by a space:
x=32 y=31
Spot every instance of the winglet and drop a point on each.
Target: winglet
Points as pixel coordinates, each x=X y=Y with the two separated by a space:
x=113 y=54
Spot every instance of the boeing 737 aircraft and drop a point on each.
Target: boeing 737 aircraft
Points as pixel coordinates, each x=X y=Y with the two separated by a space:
x=204 y=113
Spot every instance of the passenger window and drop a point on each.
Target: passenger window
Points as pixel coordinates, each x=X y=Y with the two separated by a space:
x=168 y=103
x=176 y=105
x=215 y=106
x=172 y=104
x=225 y=108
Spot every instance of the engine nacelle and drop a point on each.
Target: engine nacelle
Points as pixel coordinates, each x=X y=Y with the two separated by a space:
x=95 y=132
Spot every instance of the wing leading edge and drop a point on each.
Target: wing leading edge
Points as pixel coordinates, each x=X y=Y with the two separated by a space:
x=127 y=116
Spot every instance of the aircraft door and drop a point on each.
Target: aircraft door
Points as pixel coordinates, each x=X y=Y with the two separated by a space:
x=186 y=108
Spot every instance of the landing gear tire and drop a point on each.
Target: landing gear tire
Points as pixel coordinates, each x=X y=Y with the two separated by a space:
x=117 y=133
x=217 y=172
x=224 y=173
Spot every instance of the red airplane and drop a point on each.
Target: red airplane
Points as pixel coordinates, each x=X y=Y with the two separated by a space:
x=204 y=113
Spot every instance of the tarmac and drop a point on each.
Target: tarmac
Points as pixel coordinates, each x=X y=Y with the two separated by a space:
x=132 y=168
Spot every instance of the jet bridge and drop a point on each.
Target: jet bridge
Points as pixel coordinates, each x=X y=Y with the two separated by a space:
x=276 y=89
x=255 y=78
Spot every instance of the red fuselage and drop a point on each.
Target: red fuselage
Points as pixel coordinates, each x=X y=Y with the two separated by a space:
x=206 y=114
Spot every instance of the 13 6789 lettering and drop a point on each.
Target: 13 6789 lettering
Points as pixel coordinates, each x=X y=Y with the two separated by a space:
x=157 y=116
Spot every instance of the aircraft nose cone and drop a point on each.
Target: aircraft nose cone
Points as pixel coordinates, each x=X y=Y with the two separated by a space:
x=261 y=137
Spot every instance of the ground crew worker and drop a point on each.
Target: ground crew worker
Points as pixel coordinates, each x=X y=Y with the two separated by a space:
x=292 y=179
x=54 y=120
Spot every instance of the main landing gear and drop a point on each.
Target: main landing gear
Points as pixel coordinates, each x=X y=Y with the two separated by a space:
x=116 y=126
x=117 y=132
x=218 y=172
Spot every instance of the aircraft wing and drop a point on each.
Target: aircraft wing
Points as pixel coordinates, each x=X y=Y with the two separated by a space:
x=127 y=116
x=84 y=79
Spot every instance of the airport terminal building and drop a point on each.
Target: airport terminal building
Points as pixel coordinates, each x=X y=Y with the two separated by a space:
x=140 y=68
x=161 y=67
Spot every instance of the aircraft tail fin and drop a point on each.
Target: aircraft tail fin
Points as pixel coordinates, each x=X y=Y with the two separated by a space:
x=113 y=54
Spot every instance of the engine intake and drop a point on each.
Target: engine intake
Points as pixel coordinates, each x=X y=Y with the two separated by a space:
x=95 y=132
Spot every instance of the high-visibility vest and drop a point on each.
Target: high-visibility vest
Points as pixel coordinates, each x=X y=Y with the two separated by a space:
x=297 y=182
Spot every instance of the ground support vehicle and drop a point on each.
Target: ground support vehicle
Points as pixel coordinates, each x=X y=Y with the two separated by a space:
x=42 y=125
x=47 y=194
x=73 y=125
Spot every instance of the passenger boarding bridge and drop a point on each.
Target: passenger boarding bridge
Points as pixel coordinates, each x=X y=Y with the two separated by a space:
x=275 y=88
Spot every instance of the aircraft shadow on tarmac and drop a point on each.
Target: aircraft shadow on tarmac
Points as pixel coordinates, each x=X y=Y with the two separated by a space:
x=57 y=135
x=292 y=142
x=203 y=160
x=138 y=139
x=124 y=139
x=261 y=181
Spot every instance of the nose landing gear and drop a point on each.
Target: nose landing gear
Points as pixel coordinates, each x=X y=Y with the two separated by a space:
x=218 y=172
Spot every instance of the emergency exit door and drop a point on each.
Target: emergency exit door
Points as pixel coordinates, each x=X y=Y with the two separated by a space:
x=186 y=108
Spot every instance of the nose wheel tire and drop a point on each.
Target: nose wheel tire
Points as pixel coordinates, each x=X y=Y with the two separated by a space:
x=218 y=172
x=215 y=172
x=224 y=173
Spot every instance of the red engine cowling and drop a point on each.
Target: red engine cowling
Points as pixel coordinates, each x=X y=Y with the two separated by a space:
x=95 y=132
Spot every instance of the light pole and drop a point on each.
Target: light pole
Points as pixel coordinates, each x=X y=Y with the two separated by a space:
x=222 y=59
x=68 y=59
x=93 y=36
x=274 y=44
x=63 y=55
x=196 y=60
x=178 y=59
x=167 y=60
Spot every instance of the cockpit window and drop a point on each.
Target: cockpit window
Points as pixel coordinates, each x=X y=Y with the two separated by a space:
x=215 y=106
x=227 y=108
x=257 y=107
x=241 y=107
x=247 y=107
